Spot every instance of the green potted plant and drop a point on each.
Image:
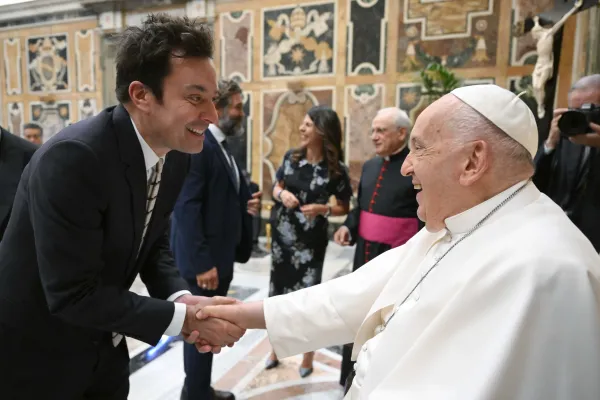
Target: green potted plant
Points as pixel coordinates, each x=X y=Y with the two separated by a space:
x=437 y=81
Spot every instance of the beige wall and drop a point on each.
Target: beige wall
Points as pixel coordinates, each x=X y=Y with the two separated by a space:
x=50 y=75
x=474 y=38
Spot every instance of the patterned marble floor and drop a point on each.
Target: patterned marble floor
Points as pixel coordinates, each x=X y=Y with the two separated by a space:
x=157 y=373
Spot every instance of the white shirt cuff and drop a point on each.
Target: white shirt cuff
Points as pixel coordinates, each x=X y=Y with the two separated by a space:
x=177 y=295
x=176 y=324
x=547 y=150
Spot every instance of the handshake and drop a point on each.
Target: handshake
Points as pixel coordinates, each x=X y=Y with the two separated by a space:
x=212 y=323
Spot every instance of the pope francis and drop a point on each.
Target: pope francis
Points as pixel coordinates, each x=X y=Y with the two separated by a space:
x=497 y=298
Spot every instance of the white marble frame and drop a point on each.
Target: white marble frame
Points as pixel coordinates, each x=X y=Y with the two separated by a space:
x=78 y=60
x=19 y=89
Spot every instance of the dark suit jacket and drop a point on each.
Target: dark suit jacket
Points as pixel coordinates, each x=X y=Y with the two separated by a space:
x=573 y=182
x=15 y=153
x=70 y=253
x=209 y=216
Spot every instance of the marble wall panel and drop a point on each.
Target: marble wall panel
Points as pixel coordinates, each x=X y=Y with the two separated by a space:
x=53 y=116
x=299 y=40
x=455 y=33
x=282 y=114
x=84 y=56
x=367 y=37
x=360 y=107
x=48 y=63
x=12 y=66
x=15 y=118
x=236 y=45
x=87 y=108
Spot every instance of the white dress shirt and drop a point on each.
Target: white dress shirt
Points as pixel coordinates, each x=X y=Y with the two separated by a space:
x=151 y=159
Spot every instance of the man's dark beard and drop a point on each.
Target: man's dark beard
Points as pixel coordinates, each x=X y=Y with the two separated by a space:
x=231 y=126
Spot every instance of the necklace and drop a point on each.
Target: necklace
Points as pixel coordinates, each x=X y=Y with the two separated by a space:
x=381 y=328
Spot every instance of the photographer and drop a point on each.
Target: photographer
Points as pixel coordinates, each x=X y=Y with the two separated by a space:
x=568 y=164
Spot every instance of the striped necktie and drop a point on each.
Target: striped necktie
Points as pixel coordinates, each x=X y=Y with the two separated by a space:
x=151 y=194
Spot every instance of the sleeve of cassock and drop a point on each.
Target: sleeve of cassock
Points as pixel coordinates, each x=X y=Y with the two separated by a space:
x=330 y=313
x=521 y=332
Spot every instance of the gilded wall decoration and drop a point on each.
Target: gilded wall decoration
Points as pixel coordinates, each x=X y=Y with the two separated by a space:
x=87 y=108
x=51 y=116
x=523 y=48
x=241 y=146
x=236 y=45
x=458 y=34
x=282 y=114
x=299 y=40
x=84 y=56
x=360 y=107
x=12 y=66
x=47 y=63
x=367 y=37
x=16 y=118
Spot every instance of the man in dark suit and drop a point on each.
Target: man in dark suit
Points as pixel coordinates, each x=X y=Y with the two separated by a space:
x=568 y=168
x=211 y=227
x=15 y=153
x=91 y=212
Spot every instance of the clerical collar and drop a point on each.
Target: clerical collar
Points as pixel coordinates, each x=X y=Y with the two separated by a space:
x=217 y=133
x=466 y=220
x=150 y=157
x=396 y=153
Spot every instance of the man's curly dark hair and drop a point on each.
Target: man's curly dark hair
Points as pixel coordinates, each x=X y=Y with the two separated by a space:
x=226 y=89
x=144 y=53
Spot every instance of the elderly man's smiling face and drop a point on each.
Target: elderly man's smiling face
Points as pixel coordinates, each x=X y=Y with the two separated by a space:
x=435 y=163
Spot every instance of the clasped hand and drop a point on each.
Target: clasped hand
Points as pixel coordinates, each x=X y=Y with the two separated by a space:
x=207 y=333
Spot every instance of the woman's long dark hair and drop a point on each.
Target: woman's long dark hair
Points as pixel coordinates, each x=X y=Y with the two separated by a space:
x=328 y=125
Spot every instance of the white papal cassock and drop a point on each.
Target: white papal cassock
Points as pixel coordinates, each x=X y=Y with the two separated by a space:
x=511 y=313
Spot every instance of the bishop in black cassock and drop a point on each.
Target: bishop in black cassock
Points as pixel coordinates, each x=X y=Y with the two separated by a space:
x=386 y=214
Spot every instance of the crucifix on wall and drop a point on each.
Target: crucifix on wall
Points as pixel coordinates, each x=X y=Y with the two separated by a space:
x=544 y=66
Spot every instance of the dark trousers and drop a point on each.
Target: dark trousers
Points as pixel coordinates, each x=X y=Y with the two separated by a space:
x=29 y=369
x=198 y=366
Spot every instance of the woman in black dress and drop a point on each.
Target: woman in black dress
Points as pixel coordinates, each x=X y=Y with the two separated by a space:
x=305 y=182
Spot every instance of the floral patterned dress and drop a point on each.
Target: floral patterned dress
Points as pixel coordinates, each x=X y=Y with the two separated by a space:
x=299 y=244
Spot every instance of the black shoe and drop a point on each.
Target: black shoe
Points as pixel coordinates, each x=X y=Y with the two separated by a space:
x=222 y=395
x=270 y=364
x=304 y=372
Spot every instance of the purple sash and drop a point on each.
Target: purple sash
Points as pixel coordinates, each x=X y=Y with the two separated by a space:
x=388 y=230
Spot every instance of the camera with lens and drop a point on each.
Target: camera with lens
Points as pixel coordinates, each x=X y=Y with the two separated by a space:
x=577 y=121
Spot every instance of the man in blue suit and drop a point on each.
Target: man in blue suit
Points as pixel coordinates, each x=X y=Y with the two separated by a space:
x=211 y=226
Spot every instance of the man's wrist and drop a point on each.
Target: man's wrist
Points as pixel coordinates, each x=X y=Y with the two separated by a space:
x=548 y=148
